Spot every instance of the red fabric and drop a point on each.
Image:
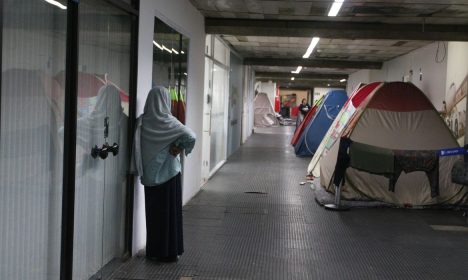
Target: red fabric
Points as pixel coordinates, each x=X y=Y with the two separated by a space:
x=303 y=125
x=294 y=111
x=175 y=108
x=277 y=104
x=400 y=97
x=277 y=100
x=363 y=92
x=181 y=111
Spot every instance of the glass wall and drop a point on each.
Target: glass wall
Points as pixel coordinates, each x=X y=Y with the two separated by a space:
x=31 y=138
x=101 y=149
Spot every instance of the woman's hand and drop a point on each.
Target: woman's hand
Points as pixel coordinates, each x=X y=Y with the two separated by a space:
x=174 y=150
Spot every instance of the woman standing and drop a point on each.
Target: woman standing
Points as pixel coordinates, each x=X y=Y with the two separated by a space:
x=159 y=139
x=304 y=108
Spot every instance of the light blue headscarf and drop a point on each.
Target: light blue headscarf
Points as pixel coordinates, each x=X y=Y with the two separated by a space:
x=156 y=128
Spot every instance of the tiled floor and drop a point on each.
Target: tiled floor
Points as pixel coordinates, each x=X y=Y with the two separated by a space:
x=253 y=220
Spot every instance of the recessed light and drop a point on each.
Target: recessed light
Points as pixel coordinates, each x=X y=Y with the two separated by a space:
x=311 y=47
x=299 y=68
x=335 y=8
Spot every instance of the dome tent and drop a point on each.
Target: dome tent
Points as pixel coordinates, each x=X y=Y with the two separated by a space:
x=300 y=128
x=264 y=114
x=395 y=118
x=314 y=131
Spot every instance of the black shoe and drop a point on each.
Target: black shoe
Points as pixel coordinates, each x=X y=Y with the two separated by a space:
x=168 y=259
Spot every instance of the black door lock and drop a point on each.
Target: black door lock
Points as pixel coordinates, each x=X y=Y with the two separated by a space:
x=105 y=150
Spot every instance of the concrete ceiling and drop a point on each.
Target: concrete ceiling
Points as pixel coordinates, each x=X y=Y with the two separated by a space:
x=365 y=33
x=390 y=11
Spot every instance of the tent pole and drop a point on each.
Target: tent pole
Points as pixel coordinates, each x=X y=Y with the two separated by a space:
x=337 y=206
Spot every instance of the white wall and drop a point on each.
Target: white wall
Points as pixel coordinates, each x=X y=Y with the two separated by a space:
x=186 y=19
x=354 y=79
x=457 y=67
x=456 y=88
x=421 y=60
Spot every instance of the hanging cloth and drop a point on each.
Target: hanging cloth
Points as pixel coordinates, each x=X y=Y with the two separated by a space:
x=174 y=101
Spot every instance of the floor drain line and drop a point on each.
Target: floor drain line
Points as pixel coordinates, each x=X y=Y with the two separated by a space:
x=256 y=192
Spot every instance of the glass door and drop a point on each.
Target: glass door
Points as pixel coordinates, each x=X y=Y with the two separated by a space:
x=218 y=117
x=101 y=162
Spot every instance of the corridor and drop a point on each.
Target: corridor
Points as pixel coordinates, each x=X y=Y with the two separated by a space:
x=253 y=220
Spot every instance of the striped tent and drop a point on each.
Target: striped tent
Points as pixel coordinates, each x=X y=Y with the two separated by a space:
x=394 y=136
x=338 y=124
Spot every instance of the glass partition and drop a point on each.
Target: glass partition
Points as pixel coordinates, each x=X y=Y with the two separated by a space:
x=31 y=139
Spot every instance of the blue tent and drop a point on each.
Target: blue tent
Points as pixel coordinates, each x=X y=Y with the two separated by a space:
x=318 y=126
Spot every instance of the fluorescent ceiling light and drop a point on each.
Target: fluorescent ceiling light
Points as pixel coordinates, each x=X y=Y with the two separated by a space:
x=292 y=78
x=176 y=52
x=335 y=8
x=185 y=74
x=342 y=80
x=299 y=68
x=158 y=45
x=182 y=52
x=311 y=47
x=58 y=4
x=166 y=49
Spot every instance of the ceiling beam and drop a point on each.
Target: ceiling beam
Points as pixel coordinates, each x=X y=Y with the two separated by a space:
x=316 y=63
x=302 y=75
x=309 y=84
x=336 y=29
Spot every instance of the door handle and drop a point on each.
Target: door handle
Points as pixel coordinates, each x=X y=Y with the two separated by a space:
x=104 y=151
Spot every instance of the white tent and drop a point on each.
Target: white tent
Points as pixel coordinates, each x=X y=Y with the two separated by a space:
x=264 y=114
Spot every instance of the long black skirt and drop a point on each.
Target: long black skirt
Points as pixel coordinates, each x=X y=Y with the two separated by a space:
x=163 y=205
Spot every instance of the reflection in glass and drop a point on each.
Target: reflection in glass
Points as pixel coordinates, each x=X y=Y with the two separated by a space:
x=33 y=52
x=103 y=82
x=170 y=53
